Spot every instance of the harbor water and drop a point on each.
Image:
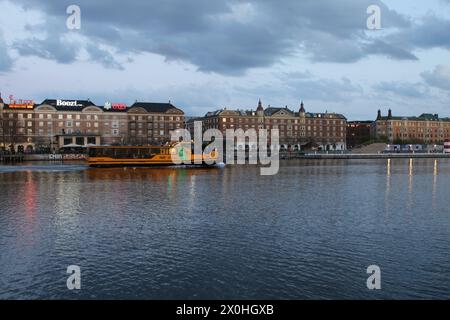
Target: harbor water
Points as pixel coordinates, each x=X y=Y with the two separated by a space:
x=309 y=232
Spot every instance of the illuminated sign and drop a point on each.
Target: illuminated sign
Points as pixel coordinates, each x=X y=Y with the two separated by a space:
x=20 y=103
x=119 y=106
x=114 y=106
x=68 y=103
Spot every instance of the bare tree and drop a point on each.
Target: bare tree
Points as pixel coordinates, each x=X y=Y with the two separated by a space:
x=3 y=129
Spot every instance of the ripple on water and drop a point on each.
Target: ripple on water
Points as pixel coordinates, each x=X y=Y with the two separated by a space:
x=308 y=232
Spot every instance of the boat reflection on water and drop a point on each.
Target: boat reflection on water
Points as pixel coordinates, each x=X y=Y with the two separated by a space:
x=171 y=179
x=153 y=173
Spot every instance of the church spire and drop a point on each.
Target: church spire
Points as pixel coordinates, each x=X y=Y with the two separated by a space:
x=260 y=107
x=302 y=108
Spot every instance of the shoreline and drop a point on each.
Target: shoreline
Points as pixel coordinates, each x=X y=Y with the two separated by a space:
x=375 y=156
x=311 y=156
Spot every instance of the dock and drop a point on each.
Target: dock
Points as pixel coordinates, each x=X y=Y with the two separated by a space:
x=370 y=156
x=11 y=158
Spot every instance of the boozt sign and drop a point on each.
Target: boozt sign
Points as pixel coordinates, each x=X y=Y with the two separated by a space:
x=68 y=103
x=114 y=106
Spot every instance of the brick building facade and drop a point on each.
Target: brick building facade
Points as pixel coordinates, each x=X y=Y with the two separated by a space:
x=297 y=130
x=57 y=123
x=424 y=129
x=358 y=132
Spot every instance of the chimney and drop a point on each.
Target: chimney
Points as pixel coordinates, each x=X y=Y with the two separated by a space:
x=390 y=114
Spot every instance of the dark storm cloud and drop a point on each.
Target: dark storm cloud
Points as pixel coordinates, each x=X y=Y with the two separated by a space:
x=102 y=56
x=430 y=32
x=305 y=86
x=6 y=61
x=328 y=90
x=402 y=89
x=392 y=50
x=439 y=77
x=224 y=36
x=52 y=48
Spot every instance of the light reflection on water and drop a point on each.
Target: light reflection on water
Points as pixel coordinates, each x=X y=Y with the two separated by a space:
x=308 y=232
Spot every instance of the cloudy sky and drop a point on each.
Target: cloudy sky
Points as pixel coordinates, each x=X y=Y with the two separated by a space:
x=203 y=54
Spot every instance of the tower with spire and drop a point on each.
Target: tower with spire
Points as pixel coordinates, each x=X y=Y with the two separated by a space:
x=302 y=111
x=260 y=109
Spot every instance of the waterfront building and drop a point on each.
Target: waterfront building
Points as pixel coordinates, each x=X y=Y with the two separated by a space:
x=153 y=123
x=298 y=130
x=424 y=129
x=57 y=123
x=358 y=132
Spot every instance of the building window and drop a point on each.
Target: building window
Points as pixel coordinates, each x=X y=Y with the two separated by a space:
x=68 y=123
x=30 y=124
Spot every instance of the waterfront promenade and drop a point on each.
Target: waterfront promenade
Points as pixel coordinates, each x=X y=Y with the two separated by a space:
x=283 y=156
x=375 y=156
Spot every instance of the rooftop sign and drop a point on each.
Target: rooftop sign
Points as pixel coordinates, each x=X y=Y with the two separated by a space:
x=68 y=103
x=20 y=103
x=114 y=106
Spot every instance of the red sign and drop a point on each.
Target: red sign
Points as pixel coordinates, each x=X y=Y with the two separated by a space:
x=20 y=104
x=118 y=106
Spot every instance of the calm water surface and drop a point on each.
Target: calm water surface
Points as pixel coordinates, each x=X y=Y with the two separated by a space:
x=309 y=232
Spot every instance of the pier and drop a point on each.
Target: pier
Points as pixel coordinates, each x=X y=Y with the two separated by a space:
x=372 y=156
x=11 y=158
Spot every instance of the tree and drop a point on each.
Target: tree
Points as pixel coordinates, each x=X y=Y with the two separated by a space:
x=2 y=129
